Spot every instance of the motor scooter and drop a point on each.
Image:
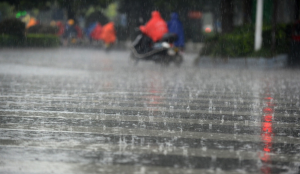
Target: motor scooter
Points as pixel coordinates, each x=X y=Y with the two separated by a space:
x=163 y=51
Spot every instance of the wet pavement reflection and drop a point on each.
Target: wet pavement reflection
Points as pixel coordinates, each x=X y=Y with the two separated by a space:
x=88 y=111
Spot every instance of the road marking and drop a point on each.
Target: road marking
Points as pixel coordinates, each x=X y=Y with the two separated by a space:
x=146 y=132
x=142 y=118
x=165 y=110
x=127 y=148
x=14 y=166
x=159 y=97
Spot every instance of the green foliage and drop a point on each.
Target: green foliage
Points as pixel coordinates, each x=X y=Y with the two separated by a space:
x=240 y=42
x=111 y=11
x=179 y=5
x=42 y=29
x=229 y=45
x=76 y=6
x=6 y=10
x=267 y=11
x=283 y=35
x=41 y=40
x=11 y=41
x=28 y=4
x=31 y=40
x=13 y=27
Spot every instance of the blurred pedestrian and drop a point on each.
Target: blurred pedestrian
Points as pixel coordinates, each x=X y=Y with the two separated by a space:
x=108 y=34
x=94 y=31
x=153 y=31
x=32 y=22
x=61 y=28
x=70 y=33
x=78 y=31
x=175 y=26
x=156 y=27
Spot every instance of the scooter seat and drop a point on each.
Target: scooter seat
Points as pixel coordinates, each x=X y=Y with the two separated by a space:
x=169 y=37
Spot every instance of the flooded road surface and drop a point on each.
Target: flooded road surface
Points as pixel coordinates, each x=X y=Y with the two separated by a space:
x=87 y=111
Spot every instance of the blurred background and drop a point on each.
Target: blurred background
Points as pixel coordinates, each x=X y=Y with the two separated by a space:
x=74 y=99
x=214 y=28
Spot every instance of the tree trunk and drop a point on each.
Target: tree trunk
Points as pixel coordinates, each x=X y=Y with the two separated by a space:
x=227 y=15
x=247 y=11
x=274 y=24
x=297 y=9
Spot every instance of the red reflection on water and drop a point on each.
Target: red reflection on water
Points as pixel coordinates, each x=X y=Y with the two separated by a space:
x=266 y=128
x=270 y=104
x=268 y=98
x=268 y=110
x=266 y=134
x=154 y=100
x=155 y=90
x=265 y=157
x=267 y=139
x=154 y=95
x=268 y=118
x=265 y=169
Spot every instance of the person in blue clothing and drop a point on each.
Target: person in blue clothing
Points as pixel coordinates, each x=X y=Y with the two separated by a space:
x=175 y=26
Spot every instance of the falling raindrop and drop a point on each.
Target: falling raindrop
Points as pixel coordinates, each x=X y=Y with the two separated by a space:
x=210 y=109
x=286 y=114
x=188 y=108
x=222 y=120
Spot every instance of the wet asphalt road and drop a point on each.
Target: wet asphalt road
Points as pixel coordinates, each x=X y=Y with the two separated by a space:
x=88 y=111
